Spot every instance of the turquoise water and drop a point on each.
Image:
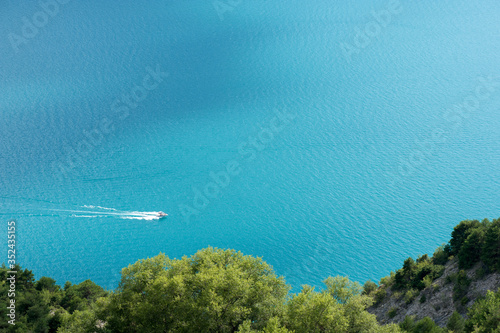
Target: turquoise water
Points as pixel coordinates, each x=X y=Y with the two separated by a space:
x=371 y=160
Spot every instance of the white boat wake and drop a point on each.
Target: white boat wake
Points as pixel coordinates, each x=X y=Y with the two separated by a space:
x=31 y=207
x=98 y=211
x=105 y=208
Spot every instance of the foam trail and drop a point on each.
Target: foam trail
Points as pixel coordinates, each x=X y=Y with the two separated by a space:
x=85 y=211
x=100 y=207
x=110 y=212
x=88 y=216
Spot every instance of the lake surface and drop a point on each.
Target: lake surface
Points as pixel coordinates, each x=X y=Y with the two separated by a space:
x=327 y=138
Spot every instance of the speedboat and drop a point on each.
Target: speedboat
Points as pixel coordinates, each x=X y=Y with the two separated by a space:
x=161 y=214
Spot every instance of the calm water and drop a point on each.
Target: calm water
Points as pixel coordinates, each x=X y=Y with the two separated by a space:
x=374 y=157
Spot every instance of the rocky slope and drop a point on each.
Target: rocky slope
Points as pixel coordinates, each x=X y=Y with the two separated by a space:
x=437 y=301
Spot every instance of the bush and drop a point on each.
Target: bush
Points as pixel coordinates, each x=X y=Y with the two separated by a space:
x=392 y=312
x=380 y=295
x=461 y=286
x=451 y=278
x=387 y=280
x=427 y=325
x=341 y=288
x=423 y=299
x=410 y=295
x=480 y=273
x=484 y=314
x=422 y=258
x=456 y=323
x=46 y=283
x=369 y=287
x=408 y=324
x=417 y=275
x=311 y=311
x=440 y=256
x=427 y=281
x=81 y=296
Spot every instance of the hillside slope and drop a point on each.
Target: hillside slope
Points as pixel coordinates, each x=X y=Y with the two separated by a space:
x=439 y=300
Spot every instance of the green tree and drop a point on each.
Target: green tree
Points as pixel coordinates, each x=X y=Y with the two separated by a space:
x=359 y=319
x=406 y=274
x=427 y=325
x=311 y=312
x=81 y=296
x=423 y=258
x=491 y=248
x=440 y=256
x=213 y=291
x=460 y=234
x=369 y=287
x=456 y=323
x=32 y=305
x=470 y=252
x=408 y=324
x=338 y=308
x=341 y=288
x=46 y=283
x=85 y=321
x=461 y=286
x=417 y=275
x=484 y=315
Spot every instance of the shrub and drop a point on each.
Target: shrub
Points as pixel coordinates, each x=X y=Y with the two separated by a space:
x=461 y=286
x=423 y=299
x=410 y=295
x=380 y=295
x=417 y=275
x=387 y=280
x=422 y=258
x=427 y=325
x=341 y=288
x=456 y=323
x=369 y=287
x=484 y=314
x=451 y=278
x=481 y=273
x=408 y=324
x=311 y=311
x=46 y=283
x=392 y=312
x=427 y=281
x=440 y=256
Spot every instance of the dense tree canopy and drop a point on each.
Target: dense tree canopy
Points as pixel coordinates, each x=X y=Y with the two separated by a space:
x=473 y=241
x=42 y=305
x=460 y=234
x=213 y=291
